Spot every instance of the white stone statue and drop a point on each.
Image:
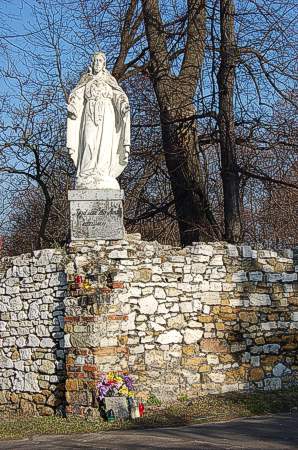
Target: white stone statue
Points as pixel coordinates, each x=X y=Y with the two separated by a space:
x=98 y=128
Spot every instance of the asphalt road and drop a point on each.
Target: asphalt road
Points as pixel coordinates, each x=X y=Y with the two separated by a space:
x=279 y=431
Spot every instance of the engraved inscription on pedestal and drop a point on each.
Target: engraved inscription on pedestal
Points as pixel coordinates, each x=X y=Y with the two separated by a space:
x=118 y=405
x=96 y=215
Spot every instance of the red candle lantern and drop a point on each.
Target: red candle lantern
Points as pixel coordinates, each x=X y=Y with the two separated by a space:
x=141 y=408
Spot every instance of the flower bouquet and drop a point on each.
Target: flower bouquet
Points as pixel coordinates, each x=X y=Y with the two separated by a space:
x=115 y=393
x=113 y=384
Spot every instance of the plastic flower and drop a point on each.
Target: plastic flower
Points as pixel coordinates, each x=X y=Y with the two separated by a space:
x=113 y=384
x=128 y=382
x=124 y=391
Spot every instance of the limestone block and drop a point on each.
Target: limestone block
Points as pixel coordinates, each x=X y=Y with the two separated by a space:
x=271 y=384
x=259 y=299
x=255 y=361
x=255 y=276
x=246 y=251
x=159 y=293
x=5 y=362
x=217 y=377
x=15 y=304
x=25 y=354
x=33 y=341
x=21 y=342
x=202 y=249
x=135 y=292
x=271 y=348
x=57 y=279
x=267 y=326
x=144 y=275
x=215 y=286
x=148 y=305
x=213 y=346
x=236 y=302
x=267 y=254
x=232 y=250
x=138 y=349
x=280 y=370
x=229 y=388
x=33 y=312
x=289 y=277
x=239 y=277
x=31 y=383
x=198 y=268
x=47 y=367
x=18 y=382
x=170 y=337
x=156 y=326
x=192 y=335
x=216 y=261
x=212 y=359
x=130 y=323
x=186 y=307
x=118 y=254
x=273 y=277
x=162 y=309
x=167 y=267
x=211 y=298
x=47 y=343
x=177 y=322
x=6 y=384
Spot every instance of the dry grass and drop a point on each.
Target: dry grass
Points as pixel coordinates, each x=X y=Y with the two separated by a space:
x=200 y=410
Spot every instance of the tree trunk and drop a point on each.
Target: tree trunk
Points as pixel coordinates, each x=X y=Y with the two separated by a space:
x=175 y=95
x=194 y=216
x=226 y=78
x=41 y=238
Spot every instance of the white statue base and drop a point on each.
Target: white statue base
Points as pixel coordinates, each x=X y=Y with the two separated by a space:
x=96 y=214
x=98 y=183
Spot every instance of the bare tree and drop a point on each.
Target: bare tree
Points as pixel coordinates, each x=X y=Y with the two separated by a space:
x=226 y=122
x=204 y=82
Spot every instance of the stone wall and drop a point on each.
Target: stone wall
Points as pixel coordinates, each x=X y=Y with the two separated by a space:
x=203 y=319
x=32 y=290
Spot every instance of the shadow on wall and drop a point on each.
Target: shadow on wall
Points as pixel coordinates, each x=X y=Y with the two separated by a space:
x=258 y=325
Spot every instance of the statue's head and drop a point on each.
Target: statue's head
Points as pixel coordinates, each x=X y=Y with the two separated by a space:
x=98 y=62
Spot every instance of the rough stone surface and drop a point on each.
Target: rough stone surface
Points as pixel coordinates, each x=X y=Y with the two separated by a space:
x=181 y=321
x=100 y=218
x=31 y=355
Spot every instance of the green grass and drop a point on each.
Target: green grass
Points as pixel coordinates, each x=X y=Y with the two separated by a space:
x=201 y=410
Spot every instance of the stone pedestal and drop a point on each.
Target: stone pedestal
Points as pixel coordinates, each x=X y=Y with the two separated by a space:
x=96 y=214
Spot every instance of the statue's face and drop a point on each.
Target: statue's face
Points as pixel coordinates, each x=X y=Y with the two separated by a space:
x=98 y=63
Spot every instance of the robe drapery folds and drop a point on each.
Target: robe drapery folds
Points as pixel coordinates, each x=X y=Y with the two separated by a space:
x=98 y=132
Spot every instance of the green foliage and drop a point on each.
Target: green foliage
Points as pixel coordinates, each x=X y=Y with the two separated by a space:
x=153 y=400
x=183 y=398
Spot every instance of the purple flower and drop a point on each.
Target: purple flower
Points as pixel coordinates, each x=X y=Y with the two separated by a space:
x=128 y=382
x=108 y=389
x=103 y=390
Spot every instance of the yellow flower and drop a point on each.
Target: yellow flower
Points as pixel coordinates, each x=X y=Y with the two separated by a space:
x=110 y=376
x=118 y=379
x=123 y=390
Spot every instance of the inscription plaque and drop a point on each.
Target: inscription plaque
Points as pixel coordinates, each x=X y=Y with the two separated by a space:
x=96 y=215
x=119 y=406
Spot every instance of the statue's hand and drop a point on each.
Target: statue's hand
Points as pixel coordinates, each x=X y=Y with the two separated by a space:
x=71 y=112
x=124 y=109
x=124 y=157
x=72 y=153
